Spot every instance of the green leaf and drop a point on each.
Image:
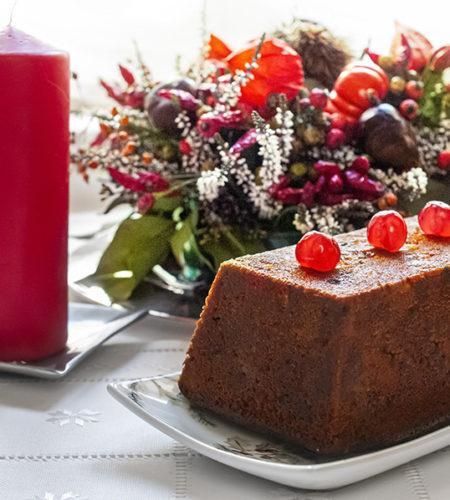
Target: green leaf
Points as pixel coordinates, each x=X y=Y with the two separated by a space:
x=430 y=106
x=141 y=242
x=232 y=243
x=184 y=245
x=166 y=204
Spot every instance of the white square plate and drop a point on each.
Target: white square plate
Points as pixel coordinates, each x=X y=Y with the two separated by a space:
x=158 y=401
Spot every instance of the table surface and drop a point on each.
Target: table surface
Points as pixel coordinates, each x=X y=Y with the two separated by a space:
x=69 y=439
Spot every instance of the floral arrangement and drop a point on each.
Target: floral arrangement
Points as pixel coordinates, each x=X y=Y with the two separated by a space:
x=254 y=147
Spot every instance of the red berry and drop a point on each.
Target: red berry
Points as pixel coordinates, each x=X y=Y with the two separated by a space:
x=361 y=164
x=318 y=98
x=335 y=138
x=317 y=251
x=434 y=219
x=414 y=89
x=185 y=147
x=444 y=160
x=387 y=230
x=409 y=109
x=337 y=121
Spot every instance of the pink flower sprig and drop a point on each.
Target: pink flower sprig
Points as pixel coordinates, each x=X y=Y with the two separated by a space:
x=209 y=124
x=130 y=96
x=145 y=184
x=247 y=140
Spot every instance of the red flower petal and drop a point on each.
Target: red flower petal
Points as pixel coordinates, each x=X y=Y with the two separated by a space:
x=217 y=49
x=406 y=38
x=127 y=180
x=118 y=95
x=440 y=59
x=279 y=70
x=127 y=75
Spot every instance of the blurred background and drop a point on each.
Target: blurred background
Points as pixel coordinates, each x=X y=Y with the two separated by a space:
x=99 y=34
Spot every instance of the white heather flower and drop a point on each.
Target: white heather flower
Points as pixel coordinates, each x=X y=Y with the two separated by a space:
x=267 y=207
x=285 y=132
x=332 y=219
x=231 y=91
x=271 y=167
x=183 y=123
x=418 y=180
x=243 y=176
x=413 y=182
x=209 y=184
x=200 y=151
x=303 y=224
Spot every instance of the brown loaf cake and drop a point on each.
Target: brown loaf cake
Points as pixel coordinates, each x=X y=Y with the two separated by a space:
x=340 y=362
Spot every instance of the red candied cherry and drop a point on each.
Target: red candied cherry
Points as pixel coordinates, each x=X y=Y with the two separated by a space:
x=414 y=89
x=409 y=109
x=387 y=230
x=317 y=251
x=434 y=219
x=318 y=98
x=335 y=138
x=444 y=160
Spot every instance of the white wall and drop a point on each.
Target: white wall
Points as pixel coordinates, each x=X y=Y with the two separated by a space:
x=99 y=33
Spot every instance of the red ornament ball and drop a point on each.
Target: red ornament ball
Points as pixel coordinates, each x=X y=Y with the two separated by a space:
x=414 y=89
x=409 y=109
x=434 y=219
x=317 y=251
x=444 y=160
x=387 y=230
x=335 y=138
x=318 y=98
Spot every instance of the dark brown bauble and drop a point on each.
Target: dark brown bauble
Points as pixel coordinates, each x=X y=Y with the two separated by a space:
x=162 y=112
x=388 y=138
x=323 y=55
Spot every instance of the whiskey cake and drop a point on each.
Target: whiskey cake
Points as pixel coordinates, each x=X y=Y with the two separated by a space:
x=346 y=361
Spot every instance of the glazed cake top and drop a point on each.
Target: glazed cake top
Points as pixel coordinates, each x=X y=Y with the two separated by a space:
x=362 y=268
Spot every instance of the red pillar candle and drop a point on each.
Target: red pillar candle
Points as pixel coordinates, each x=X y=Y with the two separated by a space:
x=34 y=158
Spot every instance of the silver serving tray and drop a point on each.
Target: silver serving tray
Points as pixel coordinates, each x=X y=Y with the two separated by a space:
x=88 y=327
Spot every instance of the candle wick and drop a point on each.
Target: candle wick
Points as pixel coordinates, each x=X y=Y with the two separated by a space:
x=12 y=12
